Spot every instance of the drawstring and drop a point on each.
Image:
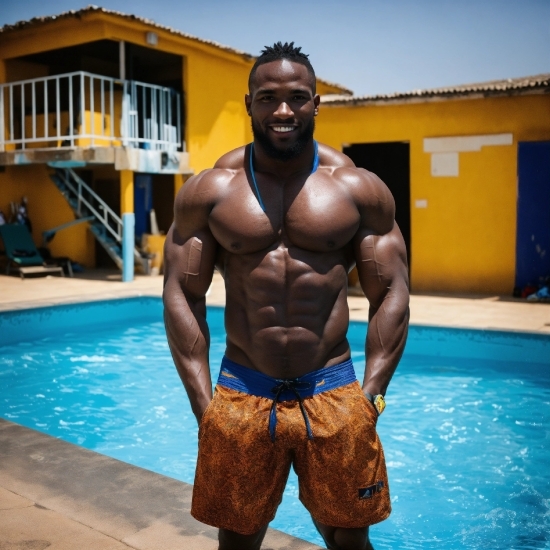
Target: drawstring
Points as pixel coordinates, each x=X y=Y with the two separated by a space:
x=292 y=385
x=252 y=382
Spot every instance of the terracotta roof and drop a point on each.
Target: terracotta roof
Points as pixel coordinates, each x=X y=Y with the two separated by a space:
x=95 y=9
x=510 y=86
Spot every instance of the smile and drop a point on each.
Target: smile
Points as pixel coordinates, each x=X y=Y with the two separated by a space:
x=283 y=129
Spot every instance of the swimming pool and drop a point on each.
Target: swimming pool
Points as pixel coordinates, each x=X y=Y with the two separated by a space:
x=466 y=432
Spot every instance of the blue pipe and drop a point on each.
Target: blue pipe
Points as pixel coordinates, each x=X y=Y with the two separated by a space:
x=128 y=228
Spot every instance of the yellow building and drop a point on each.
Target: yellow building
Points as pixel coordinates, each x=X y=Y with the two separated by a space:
x=450 y=157
x=115 y=112
x=104 y=113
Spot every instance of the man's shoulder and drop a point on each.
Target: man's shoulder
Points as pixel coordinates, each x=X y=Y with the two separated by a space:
x=332 y=158
x=368 y=192
x=360 y=181
x=204 y=189
x=343 y=169
x=224 y=170
x=234 y=160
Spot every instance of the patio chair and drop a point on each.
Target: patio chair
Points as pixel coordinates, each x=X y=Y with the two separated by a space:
x=22 y=253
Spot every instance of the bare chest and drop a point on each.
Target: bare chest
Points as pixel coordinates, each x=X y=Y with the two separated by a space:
x=314 y=215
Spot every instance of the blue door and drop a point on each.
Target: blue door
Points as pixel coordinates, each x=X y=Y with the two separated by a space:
x=533 y=215
x=143 y=202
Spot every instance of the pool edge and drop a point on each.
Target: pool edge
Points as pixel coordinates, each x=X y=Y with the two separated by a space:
x=46 y=482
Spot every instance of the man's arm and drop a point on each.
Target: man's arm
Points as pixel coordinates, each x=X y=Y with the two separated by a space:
x=381 y=260
x=189 y=256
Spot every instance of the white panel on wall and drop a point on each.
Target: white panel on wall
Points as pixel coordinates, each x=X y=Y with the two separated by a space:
x=444 y=164
x=465 y=143
x=421 y=203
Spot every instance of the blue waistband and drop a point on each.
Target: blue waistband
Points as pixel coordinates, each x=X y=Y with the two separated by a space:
x=243 y=379
x=252 y=382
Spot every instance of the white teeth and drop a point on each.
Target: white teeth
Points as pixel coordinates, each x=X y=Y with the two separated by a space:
x=283 y=128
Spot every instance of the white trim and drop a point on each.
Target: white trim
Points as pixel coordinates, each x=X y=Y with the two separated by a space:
x=459 y=144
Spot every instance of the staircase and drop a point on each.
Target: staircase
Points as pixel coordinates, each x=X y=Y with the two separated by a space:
x=105 y=224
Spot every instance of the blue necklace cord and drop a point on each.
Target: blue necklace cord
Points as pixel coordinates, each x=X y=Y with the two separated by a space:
x=258 y=196
x=251 y=159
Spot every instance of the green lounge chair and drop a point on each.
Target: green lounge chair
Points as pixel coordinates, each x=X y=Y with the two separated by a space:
x=22 y=253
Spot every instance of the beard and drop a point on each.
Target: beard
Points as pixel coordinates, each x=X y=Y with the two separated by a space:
x=292 y=151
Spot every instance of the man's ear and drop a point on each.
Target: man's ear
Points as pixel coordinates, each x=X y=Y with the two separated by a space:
x=248 y=103
x=316 y=102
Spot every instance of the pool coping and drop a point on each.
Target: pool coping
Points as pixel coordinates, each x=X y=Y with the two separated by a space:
x=216 y=303
x=488 y=312
x=77 y=498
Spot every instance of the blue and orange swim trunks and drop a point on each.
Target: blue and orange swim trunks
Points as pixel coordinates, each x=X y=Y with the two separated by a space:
x=257 y=426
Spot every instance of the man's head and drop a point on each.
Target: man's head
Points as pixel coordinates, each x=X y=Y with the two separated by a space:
x=278 y=52
x=282 y=102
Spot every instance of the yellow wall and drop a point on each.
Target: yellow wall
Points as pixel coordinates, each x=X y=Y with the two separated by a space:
x=216 y=116
x=47 y=209
x=464 y=241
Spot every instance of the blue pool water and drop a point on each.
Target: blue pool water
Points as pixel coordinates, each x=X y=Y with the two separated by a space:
x=466 y=432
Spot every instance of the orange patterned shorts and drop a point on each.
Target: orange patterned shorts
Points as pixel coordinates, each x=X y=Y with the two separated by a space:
x=241 y=472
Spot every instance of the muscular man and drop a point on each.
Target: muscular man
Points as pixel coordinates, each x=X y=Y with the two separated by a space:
x=284 y=220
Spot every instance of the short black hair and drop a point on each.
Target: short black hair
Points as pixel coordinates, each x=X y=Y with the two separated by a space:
x=281 y=51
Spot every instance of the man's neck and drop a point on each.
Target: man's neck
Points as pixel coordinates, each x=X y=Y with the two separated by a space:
x=283 y=168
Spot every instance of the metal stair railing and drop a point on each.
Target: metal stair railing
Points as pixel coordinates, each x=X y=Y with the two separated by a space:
x=93 y=203
x=106 y=224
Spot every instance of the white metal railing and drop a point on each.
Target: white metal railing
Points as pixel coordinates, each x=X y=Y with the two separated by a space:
x=88 y=110
x=151 y=116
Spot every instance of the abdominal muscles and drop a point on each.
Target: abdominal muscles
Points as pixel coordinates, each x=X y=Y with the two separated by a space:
x=286 y=311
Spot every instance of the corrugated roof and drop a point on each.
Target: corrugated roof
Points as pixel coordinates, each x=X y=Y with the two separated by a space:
x=92 y=8
x=510 y=86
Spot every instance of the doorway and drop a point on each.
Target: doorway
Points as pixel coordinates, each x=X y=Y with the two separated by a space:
x=533 y=214
x=390 y=161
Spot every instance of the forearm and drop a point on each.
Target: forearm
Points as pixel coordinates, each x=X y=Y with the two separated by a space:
x=188 y=338
x=386 y=338
x=382 y=268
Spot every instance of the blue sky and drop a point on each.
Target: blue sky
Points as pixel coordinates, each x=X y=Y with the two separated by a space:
x=370 y=46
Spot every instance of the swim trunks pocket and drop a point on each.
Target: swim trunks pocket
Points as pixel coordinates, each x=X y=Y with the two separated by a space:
x=371 y=411
x=206 y=413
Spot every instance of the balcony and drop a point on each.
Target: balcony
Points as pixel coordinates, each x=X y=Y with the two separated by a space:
x=81 y=118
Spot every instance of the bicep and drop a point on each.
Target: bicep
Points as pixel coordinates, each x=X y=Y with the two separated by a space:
x=189 y=261
x=381 y=264
x=190 y=248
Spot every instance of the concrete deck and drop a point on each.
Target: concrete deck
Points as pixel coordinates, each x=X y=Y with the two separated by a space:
x=58 y=496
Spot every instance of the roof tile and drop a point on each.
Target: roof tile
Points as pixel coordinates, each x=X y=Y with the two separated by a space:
x=493 y=87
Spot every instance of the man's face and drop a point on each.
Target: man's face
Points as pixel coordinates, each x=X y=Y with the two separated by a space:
x=282 y=107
